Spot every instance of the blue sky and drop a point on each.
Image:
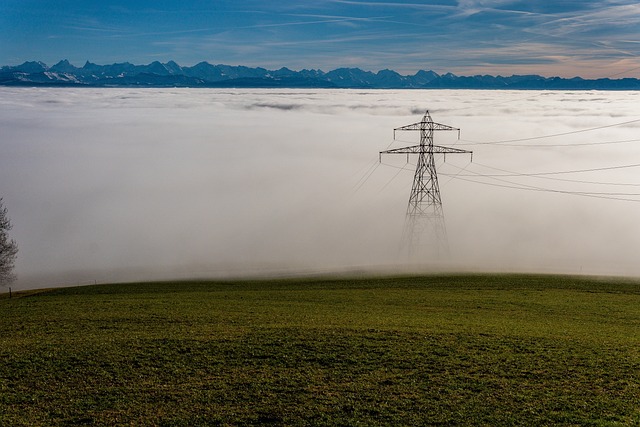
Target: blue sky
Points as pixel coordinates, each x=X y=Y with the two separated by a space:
x=598 y=38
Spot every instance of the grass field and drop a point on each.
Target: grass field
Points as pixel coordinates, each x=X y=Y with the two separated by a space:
x=434 y=350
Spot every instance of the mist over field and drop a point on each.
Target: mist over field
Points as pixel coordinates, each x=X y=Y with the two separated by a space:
x=136 y=184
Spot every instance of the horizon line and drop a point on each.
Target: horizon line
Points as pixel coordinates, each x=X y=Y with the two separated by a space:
x=320 y=70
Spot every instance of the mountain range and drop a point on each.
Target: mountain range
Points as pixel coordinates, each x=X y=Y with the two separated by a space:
x=204 y=74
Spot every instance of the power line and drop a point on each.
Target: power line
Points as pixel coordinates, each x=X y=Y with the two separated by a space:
x=577 y=181
x=366 y=177
x=541 y=175
x=366 y=170
x=634 y=165
x=560 y=172
x=545 y=175
x=400 y=167
x=452 y=177
x=520 y=186
x=578 y=144
x=553 y=135
x=517 y=187
x=391 y=180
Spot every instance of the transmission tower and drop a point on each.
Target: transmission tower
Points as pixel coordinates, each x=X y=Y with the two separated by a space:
x=424 y=229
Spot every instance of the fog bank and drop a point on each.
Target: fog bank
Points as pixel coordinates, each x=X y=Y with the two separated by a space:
x=139 y=184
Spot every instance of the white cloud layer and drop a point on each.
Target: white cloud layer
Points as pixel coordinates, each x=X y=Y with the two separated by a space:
x=128 y=184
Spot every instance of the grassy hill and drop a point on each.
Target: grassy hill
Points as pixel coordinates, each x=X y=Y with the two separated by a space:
x=446 y=350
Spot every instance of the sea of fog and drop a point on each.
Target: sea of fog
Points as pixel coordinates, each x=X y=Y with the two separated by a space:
x=141 y=184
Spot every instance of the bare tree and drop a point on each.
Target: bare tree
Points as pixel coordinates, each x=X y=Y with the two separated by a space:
x=8 y=249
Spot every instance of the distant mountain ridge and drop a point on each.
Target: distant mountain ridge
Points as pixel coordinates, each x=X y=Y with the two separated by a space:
x=204 y=74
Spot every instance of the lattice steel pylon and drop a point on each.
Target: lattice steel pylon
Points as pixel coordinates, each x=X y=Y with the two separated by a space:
x=424 y=231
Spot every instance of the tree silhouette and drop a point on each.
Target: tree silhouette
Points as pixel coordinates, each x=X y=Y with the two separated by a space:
x=8 y=249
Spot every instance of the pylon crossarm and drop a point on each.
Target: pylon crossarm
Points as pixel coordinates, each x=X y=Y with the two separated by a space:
x=449 y=150
x=421 y=125
x=404 y=150
x=436 y=149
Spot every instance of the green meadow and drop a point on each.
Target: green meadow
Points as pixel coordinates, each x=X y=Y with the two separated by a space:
x=432 y=350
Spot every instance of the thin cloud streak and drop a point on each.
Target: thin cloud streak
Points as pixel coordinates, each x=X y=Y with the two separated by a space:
x=406 y=5
x=405 y=36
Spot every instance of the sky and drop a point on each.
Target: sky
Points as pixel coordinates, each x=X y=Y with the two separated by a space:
x=566 y=38
x=141 y=184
